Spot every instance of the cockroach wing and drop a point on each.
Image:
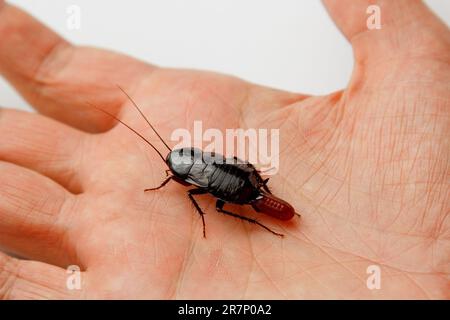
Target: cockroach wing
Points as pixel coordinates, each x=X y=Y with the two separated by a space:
x=273 y=206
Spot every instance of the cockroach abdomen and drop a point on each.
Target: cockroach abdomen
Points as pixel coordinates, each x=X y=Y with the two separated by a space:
x=274 y=206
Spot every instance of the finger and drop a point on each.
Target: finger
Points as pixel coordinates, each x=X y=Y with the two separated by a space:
x=20 y=279
x=406 y=26
x=58 y=78
x=34 y=216
x=43 y=145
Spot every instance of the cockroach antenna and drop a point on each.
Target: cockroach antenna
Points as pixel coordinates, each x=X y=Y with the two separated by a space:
x=129 y=127
x=236 y=181
x=145 y=118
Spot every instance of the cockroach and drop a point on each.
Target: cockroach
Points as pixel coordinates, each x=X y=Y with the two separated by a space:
x=228 y=180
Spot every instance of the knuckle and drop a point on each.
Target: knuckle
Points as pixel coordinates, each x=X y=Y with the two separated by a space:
x=54 y=61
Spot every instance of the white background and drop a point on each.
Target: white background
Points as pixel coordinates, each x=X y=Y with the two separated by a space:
x=287 y=44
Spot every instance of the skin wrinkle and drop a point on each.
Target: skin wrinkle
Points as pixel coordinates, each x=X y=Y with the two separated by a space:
x=329 y=229
x=67 y=214
x=26 y=221
x=70 y=176
x=441 y=222
x=318 y=168
x=403 y=252
x=424 y=292
x=342 y=182
x=71 y=180
x=188 y=261
x=374 y=204
x=376 y=214
x=353 y=222
x=347 y=176
x=27 y=283
x=51 y=159
x=336 y=139
x=321 y=248
x=285 y=148
x=379 y=230
x=432 y=249
x=11 y=276
x=38 y=285
x=380 y=263
x=350 y=164
x=367 y=246
x=267 y=115
x=12 y=196
x=169 y=291
x=311 y=148
x=430 y=192
x=336 y=261
x=211 y=92
x=428 y=202
x=271 y=281
x=153 y=171
x=45 y=73
x=131 y=89
x=283 y=259
x=242 y=123
x=189 y=255
x=56 y=228
x=387 y=87
x=321 y=283
x=315 y=267
x=251 y=268
x=338 y=109
x=369 y=261
x=409 y=233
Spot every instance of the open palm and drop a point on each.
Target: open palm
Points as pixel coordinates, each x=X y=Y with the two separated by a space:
x=368 y=168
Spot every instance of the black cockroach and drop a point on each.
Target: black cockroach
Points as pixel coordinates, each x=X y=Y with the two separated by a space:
x=229 y=180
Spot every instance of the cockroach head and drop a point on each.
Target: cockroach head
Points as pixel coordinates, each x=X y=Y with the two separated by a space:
x=180 y=161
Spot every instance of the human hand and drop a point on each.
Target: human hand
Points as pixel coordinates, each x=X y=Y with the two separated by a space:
x=368 y=168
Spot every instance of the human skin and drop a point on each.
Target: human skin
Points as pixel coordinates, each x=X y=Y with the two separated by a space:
x=367 y=167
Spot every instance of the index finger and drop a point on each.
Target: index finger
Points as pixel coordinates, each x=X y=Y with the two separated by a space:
x=56 y=77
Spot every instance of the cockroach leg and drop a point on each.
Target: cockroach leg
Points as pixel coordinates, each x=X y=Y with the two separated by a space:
x=219 y=208
x=162 y=185
x=265 y=186
x=191 y=194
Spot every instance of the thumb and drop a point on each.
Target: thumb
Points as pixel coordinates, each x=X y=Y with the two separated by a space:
x=405 y=26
